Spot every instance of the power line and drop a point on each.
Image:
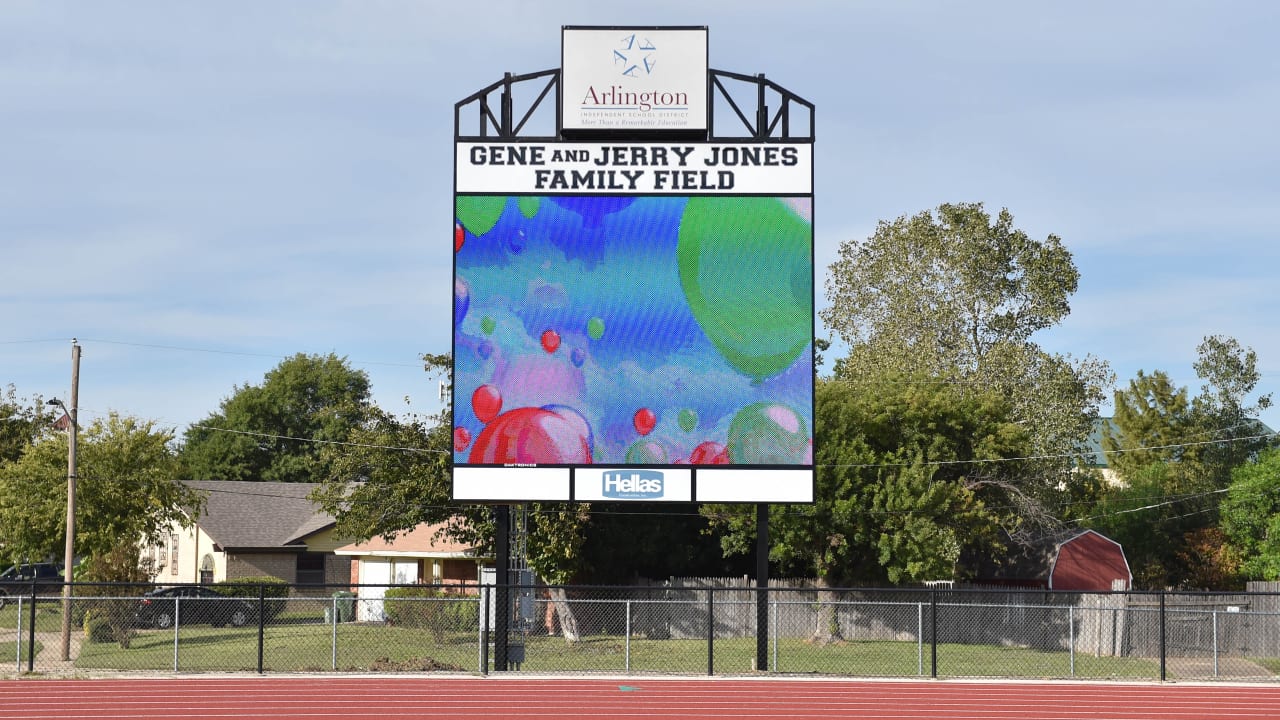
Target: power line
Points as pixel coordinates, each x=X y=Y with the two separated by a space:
x=319 y=442
x=929 y=463
x=275 y=356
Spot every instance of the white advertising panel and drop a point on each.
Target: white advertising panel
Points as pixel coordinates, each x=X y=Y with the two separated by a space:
x=737 y=485
x=635 y=168
x=634 y=79
x=632 y=484
x=510 y=483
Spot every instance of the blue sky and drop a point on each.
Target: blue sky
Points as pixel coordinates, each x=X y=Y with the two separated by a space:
x=198 y=190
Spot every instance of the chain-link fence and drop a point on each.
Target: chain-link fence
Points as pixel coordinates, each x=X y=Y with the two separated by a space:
x=670 y=628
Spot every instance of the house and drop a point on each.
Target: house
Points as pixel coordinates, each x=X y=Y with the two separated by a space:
x=252 y=529
x=1096 y=457
x=421 y=555
x=256 y=529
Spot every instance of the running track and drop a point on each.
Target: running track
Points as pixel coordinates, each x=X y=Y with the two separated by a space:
x=362 y=698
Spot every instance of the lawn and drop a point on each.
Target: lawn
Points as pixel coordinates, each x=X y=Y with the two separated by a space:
x=48 y=615
x=310 y=647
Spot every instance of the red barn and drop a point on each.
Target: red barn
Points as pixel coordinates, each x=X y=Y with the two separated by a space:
x=1089 y=561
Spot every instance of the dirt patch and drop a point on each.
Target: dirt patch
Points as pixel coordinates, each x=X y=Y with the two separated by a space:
x=425 y=664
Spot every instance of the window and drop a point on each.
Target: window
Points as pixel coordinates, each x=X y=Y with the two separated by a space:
x=310 y=568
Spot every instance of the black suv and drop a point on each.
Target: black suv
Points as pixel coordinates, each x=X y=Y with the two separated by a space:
x=18 y=580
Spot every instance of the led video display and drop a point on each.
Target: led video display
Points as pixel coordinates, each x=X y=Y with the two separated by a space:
x=633 y=331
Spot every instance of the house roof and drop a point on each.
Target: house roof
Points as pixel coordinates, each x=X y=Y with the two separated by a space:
x=1097 y=457
x=1092 y=449
x=421 y=541
x=258 y=515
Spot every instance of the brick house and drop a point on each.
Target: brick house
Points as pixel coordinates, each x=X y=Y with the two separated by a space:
x=421 y=555
x=250 y=529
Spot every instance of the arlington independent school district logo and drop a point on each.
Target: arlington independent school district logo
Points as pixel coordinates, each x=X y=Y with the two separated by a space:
x=635 y=56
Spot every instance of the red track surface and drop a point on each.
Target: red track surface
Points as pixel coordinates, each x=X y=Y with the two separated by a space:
x=360 y=698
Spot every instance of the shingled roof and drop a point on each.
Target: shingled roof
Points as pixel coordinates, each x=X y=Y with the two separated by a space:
x=241 y=515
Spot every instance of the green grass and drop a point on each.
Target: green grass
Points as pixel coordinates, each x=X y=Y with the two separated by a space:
x=1271 y=664
x=299 y=647
x=48 y=616
x=291 y=647
x=9 y=654
x=298 y=641
x=861 y=658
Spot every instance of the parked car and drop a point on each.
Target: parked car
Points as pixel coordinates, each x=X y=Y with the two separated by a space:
x=18 y=579
x=191 y=604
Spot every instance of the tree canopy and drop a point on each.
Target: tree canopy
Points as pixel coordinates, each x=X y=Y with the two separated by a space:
x=127 y=491
x=1251 y=516
x=22 y=422
x=903 y=467
x=1175 y=456
x=955 y=296
x=943 y=292
x=275 y=431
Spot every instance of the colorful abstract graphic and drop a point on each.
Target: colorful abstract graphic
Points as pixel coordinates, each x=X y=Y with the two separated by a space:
x=633 y=330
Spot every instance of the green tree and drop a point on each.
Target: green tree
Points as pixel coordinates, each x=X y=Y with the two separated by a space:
x=22 y=422
x=127 y=491
x=1176 y=455
x=903 y=466
x=1154 y=516
x=275 y=432
x=1251 y=516
x=956 y=296
x=388 y=477
x=1230 y=374
x=1154 y=423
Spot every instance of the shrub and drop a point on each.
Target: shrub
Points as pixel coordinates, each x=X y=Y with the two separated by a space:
x=98 y=629
x=105 y=624
x=274 y=590
x=430 y=608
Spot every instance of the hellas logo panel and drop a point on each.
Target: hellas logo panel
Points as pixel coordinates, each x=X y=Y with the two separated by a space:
x=632 y=484
x=644 y=484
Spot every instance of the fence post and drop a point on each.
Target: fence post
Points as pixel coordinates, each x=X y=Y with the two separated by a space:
x=31 y=632
x=628 y=640
x=711 y=631
x=1215 y=643
x=933 y=633
x=262 y=623
x=17 y=639
x=333 y=643
x=1163 y=655
x=484 y=630
x=1071 y=637
x=919 y=638
x=177 y=623
x=773 y=628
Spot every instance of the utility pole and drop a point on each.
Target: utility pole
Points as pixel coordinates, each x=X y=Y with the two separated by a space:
x=69 y=558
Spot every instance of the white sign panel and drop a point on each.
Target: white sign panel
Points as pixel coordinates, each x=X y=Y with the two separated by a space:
x=632 y=484
x=490 y=484
x=736 y=485
x=635 y=168
x=634 y=79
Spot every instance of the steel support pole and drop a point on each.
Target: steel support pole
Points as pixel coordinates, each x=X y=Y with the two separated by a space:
x=502 y=601
x=762 y=587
